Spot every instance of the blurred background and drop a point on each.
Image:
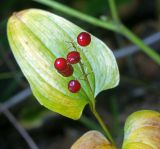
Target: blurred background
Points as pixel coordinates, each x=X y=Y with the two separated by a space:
x=24 y=123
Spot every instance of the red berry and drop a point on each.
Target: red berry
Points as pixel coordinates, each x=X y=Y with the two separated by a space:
x=60 y=64
x=84 y=39
x=74 y=86
x=67 y=72
x=73 y=57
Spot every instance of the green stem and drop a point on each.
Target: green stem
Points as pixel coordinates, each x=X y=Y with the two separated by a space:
x=92 y=103
x=100 y=121
x=119 y=39
x=86 y=78
x=113 y=10
x=92 y=106
x=77 y=14
x=146 y=49
x=126 y=32
x=119 y=28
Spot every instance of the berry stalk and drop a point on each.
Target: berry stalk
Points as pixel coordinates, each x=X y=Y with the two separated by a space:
x=92 y=106
x=92 y=103
x=102 y=124
x=64 y=67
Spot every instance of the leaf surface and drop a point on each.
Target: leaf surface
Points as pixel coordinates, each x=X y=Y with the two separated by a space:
x=142 y=130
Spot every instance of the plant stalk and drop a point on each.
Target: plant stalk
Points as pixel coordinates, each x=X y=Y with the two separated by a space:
x=77 y=14
x=126 y=32
x=137 y=41
x=102 y=124
x=92 y=103
x=113 y=10
x=93 y=109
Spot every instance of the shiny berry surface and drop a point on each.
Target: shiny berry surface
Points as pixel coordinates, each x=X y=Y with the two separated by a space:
x=68 y=71
x=73 y=57
x=60 y=64
x=74 y=86
x=84 y=39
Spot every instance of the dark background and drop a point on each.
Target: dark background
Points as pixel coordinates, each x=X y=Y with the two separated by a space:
x=138 y=89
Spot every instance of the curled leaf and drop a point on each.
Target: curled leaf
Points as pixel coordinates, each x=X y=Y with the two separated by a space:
x=92 y=140
x=37 y=38
x=142 y=130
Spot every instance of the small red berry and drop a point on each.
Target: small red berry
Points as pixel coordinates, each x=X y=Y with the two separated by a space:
x=67 y=72
x=74 y=86
x=60 y=64
x=73 y=57
x=84 y=39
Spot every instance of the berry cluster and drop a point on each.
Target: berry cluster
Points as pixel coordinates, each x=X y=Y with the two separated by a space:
x=64 y=66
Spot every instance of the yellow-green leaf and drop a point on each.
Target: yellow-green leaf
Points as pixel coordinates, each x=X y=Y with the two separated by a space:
x=92 y=140
x=142 y=130
x=37 y=38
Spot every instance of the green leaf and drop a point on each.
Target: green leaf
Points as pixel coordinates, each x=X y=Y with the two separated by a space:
x=142 y=130
x=37 y=38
